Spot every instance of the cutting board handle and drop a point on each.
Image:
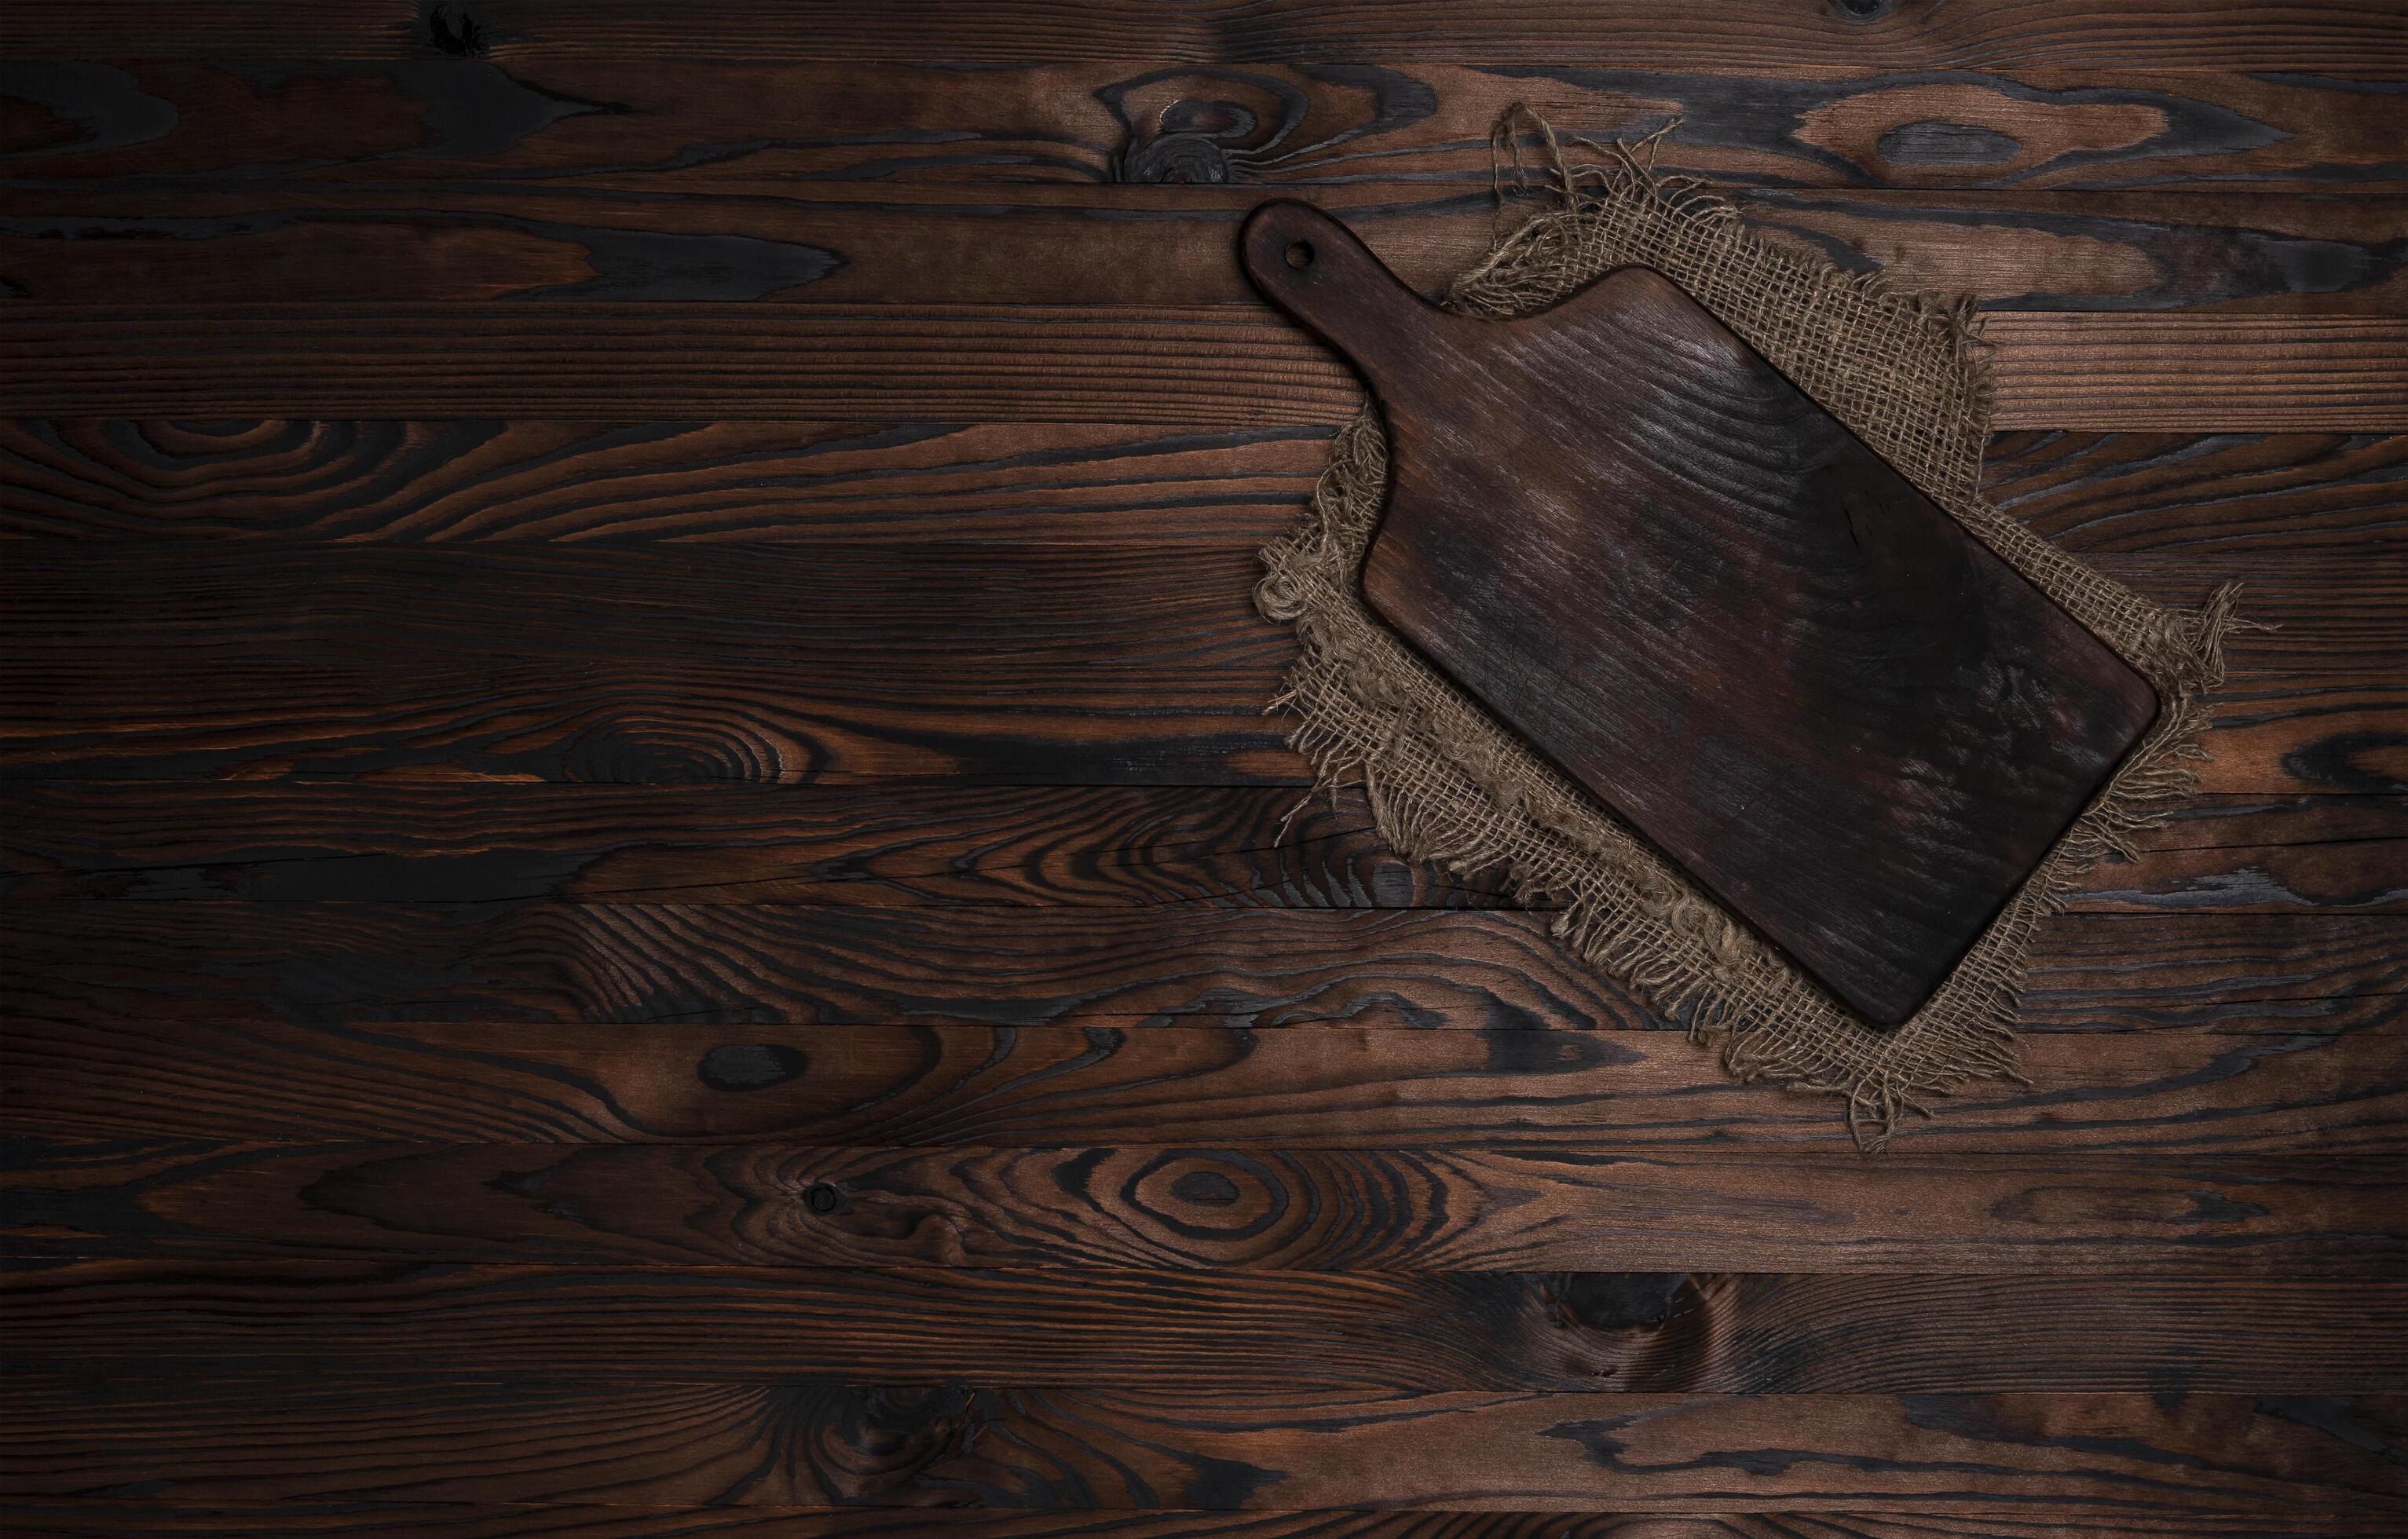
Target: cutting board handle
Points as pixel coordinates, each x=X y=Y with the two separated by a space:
x=1313 y=267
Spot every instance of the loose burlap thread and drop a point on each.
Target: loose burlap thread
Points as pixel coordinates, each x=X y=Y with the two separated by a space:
x=1449 y=785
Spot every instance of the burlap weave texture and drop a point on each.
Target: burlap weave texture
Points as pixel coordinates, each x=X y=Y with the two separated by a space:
x=1449 y=784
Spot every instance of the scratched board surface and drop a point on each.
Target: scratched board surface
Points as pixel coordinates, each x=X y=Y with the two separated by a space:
x=643 y=887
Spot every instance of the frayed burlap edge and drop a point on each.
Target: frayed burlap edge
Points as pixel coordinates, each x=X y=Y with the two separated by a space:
x=1449 y=785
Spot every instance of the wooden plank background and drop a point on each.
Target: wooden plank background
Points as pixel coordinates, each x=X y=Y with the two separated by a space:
x=641 y=875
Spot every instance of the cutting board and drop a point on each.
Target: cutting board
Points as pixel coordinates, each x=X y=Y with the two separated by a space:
x=1707 y=602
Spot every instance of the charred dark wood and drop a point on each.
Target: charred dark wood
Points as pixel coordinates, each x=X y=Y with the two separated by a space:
x=477 y=481
x=915 y=843
x=471 y=1152
x=110 y=1519
x=1511 y=1207
x=674 y=122
x=321 y=962
x=2351 y=39
x=1214 y=367
x=1313 y=1085
x=1265 y=1332
x=2260 y=495
x=503 y=1439
x=2182 y=494
x=578 y=241
x=1069 y=662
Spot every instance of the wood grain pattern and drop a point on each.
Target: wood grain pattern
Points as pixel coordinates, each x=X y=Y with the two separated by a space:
x=2325 y=612
x=2350 y=38
x=1077 y=664
x=1511 y=1208
x=1324 y=1086
x=493 y=1046
x=668 y=121
x=449 y=482
x=321 y=962
x=1624 y=531
x=909 y=844
x=2119 y=372
x=381 y=1519
x=503 y=661
x=954 y=1445
x=2225 y=854
x=2337 y=733
x=747 y=363
x=1220 y=368
x=593 y=1520
x=2262 y=494
x=904 y=844
x=2191 y=493
x=838 y=244
x=1262 y=1333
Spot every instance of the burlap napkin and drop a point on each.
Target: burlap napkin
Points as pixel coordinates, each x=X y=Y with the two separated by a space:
x=1449 y=785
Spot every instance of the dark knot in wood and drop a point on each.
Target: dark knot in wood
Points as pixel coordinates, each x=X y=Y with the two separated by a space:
x=880 y=1444
x=1621 y=1300
x=458 y=34
x=1200 y=127
x=1196 y=143
x=751 y=1066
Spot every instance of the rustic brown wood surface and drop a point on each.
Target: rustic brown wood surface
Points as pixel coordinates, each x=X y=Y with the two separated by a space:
x=643 y=889
x=1624 y=531
x=1211 y=368
x=594 y=1521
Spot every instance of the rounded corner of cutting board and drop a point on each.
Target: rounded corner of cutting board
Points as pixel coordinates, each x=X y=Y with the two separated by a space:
x=2150 y=701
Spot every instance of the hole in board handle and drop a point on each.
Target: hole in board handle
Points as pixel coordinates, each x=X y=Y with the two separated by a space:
x=1300 y=254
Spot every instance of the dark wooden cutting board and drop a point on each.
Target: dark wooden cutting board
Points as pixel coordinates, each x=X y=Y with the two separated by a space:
x=1710 y=603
